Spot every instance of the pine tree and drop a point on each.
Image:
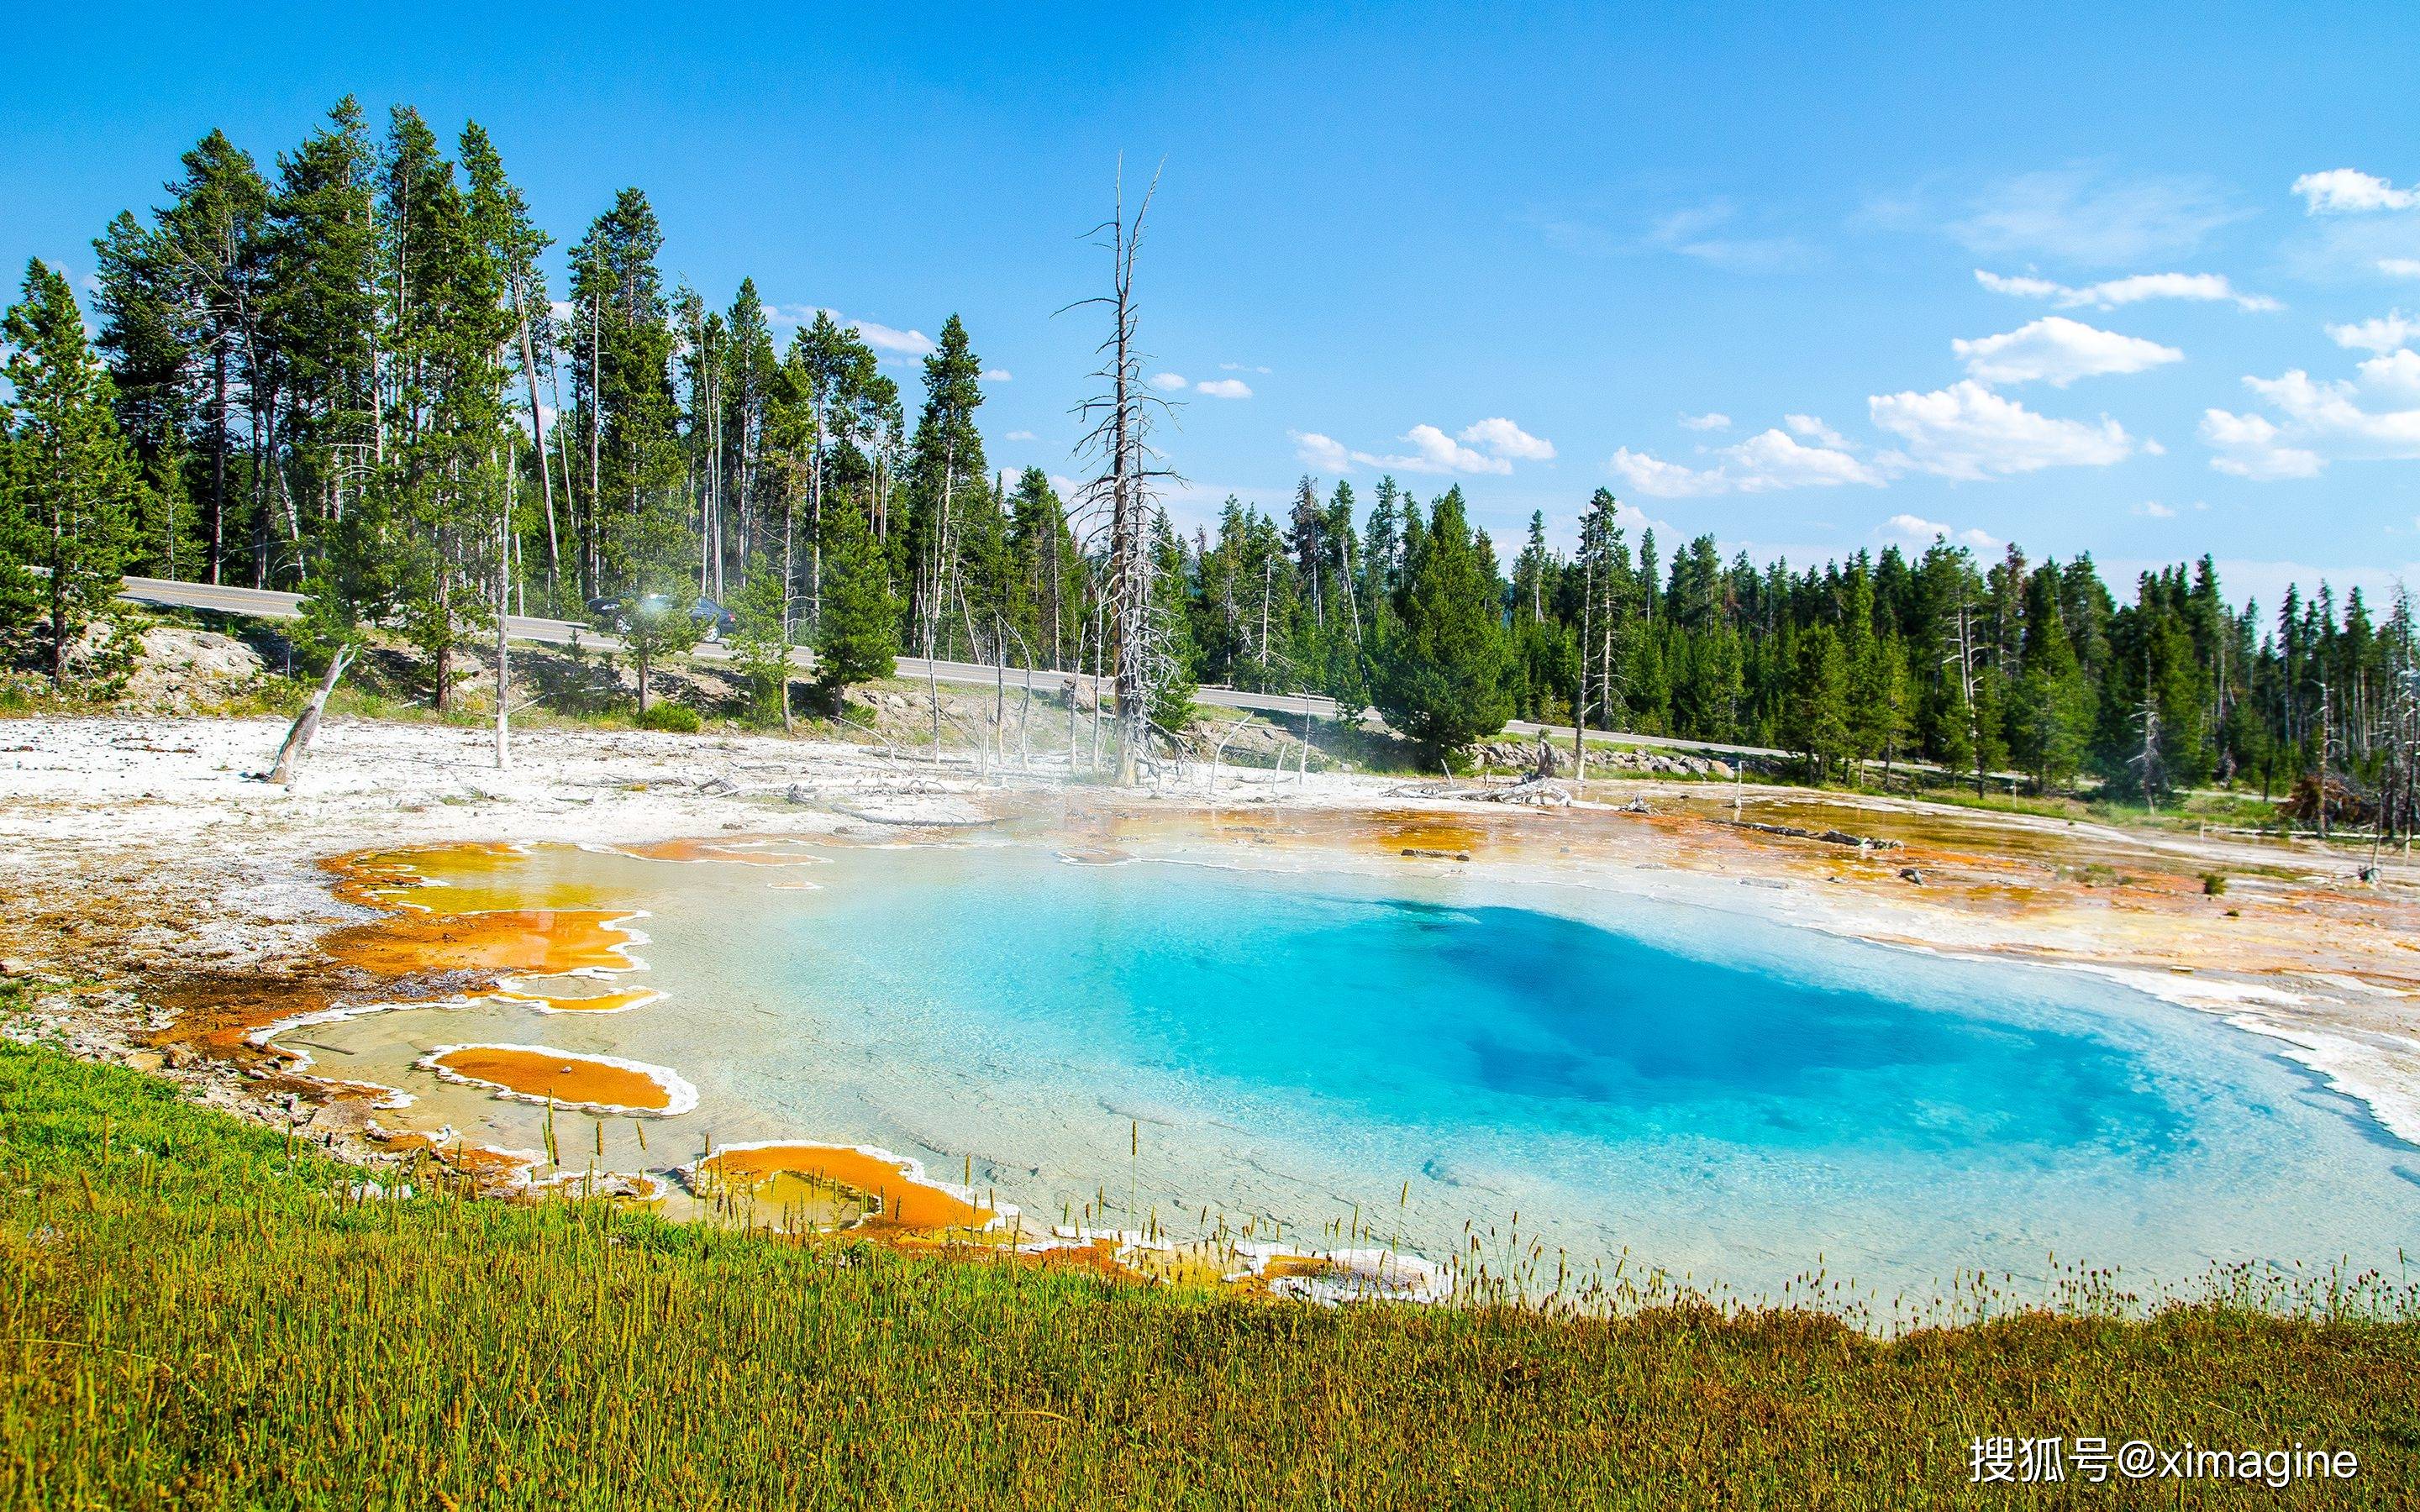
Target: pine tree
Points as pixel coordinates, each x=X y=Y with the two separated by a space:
x=1819 y=708
x=2049 y=705
x=858 y=639
x=760 y=644
x=637 y=517
x=1442 y=685
x=69 y=479
x=953 y=537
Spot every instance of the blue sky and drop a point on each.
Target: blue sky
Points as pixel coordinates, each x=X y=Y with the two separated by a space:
x=1728 y=261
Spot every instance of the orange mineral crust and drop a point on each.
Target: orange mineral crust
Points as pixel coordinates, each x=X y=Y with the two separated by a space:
x=909 y=1200
x=609 y=1001
x=603 y=1083
x=459 y=878
x=757 y=851
x=539 y=941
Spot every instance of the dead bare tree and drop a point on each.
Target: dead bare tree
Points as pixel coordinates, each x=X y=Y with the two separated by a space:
x=307 y=724
x=1119 y=497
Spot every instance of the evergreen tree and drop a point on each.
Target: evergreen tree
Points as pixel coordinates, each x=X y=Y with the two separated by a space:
x=760 y=643
x=69 y=477
x=622 y=374
x=2049 y=705
x=1819 y=707
x=858 y=639
x=1442 y=685
x=956 y=537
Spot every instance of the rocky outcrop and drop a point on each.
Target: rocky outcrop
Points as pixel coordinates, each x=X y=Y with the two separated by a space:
x=1507 y=755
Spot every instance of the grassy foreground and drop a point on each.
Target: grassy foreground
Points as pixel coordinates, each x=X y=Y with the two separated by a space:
x=192 y=1314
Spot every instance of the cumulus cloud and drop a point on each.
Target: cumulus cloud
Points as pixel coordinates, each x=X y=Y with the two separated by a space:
x=2313 y=422
x=1814 y=430
x=1642 y=472
x=2383 y=335
x=1772 y=459
x=2154 y=509
x=1434 y=451
x=1966 y=431
x=1767 y=462
x=1324 y=453
x=1486 y=446
x=1506 y=440
x=1167 y=382
x=2332 y=412
x=2212 y=289
x=2351 y=192
x=884 y=338
x=2249 y=446
x=1224 y=388
x=1916 y=529
x=998 y=375
x=1711 y=420
x=1242 y=367
x=2395 y=373
x=2400 y=266
x=1022 y=436
x=2057 y=351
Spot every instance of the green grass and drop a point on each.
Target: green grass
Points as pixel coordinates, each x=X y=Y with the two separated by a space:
x=195 y=1313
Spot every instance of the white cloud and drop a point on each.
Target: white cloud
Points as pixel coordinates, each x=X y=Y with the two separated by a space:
x=2135 y=288
x=884 y=338
x=1657 y=478
x=1711 y=420
x=2351 y=192
x=2395 y=373
x=1507 y=439
x=998 y=375
x=1023 y=436
x=2400 y=266
x=2154 y=509
x=1434 y=451
x=2248 y=447
x=1489 y=446
x=1168 y=382
x=1968 y=432
x=1224 y=388
x=1767 y=462
x=1814 y=430
x=2383 y=335
x=1325 y=452
x=1771 y=460
x=1242 y=367
x=1922 y=532
x=2084 y=216
x=2330 y=415
x=2057 y=351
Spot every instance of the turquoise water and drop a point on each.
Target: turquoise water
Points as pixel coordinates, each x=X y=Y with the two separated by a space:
x=1676 y=1080
x=1725 y=1096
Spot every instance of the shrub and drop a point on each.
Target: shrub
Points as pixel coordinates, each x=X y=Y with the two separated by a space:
x=677 y=717
x=2214 y=883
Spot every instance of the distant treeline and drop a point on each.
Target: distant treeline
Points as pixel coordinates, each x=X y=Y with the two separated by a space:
x=349 y=375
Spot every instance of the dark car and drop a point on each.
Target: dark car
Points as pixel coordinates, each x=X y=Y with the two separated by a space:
x=612 y=612
x=719 y=622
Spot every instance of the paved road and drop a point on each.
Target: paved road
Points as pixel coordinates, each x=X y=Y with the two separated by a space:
x=268 y=604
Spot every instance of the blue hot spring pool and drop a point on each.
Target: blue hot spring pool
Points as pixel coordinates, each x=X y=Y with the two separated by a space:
x=1627 y=1078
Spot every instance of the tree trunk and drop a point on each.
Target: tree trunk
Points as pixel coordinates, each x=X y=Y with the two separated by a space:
x=307 y=724
x=537 y=440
